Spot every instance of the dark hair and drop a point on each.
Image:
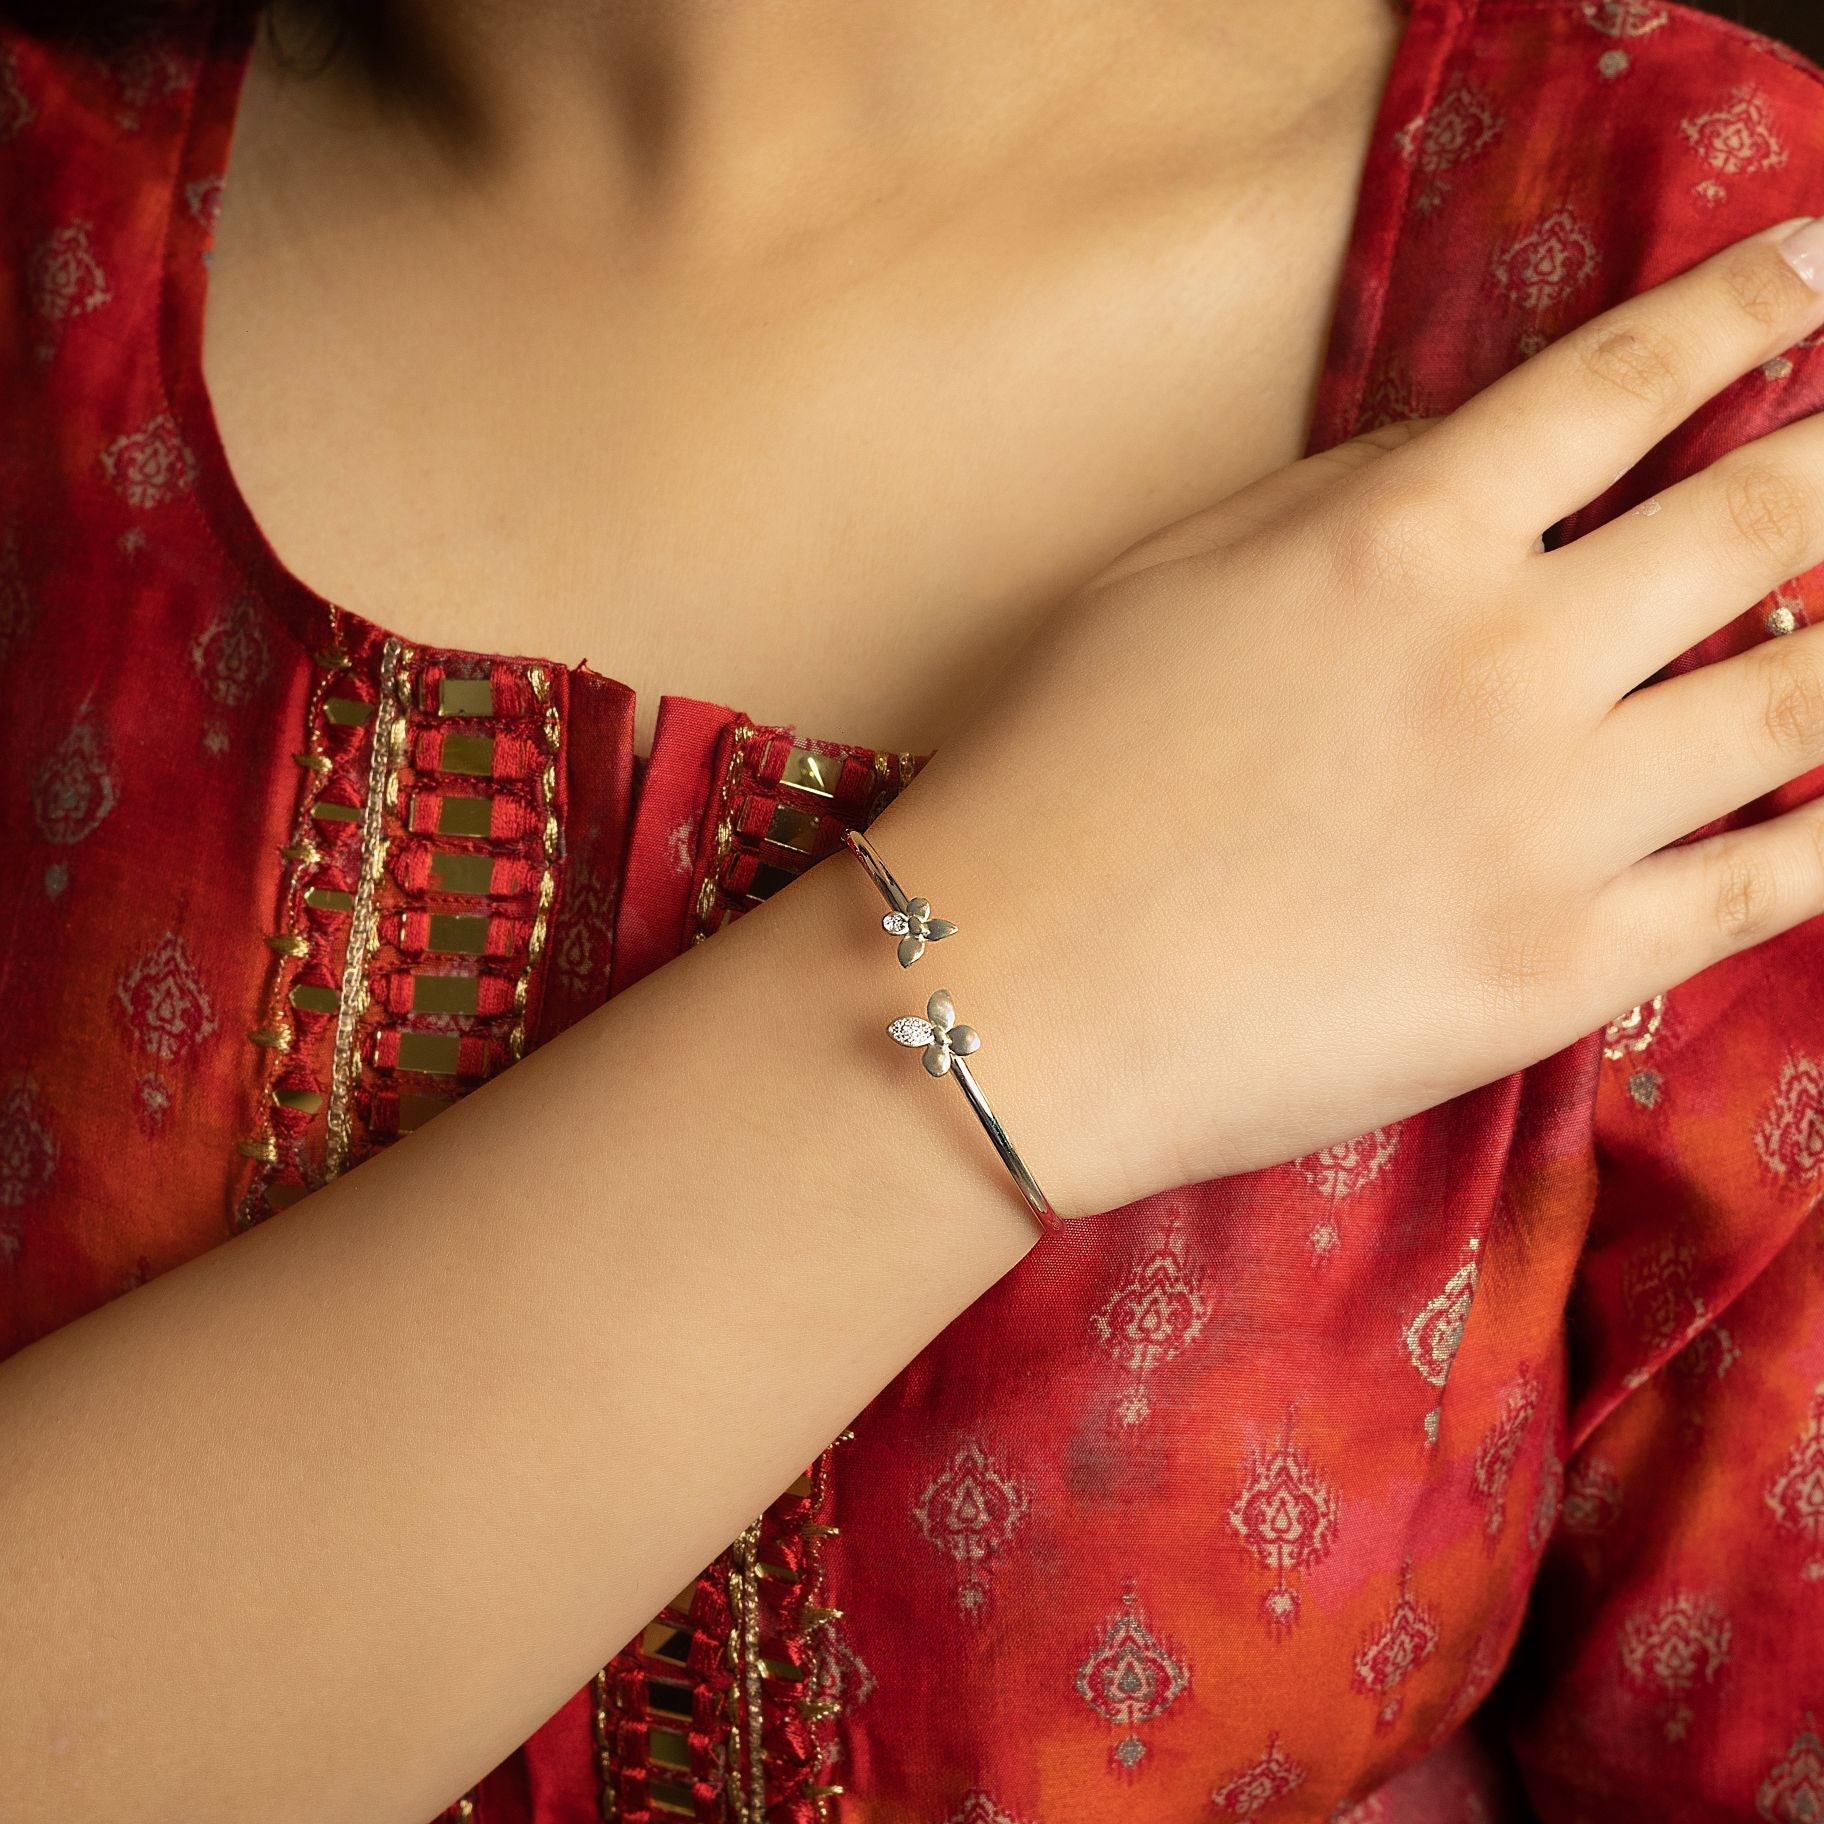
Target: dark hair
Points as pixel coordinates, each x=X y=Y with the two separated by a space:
x=1799 y=22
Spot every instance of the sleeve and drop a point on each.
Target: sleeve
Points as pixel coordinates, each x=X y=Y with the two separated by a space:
x=1672 y=1664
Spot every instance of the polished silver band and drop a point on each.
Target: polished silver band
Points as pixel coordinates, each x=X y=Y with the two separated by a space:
x=1036 y=1200
x=945 y=1044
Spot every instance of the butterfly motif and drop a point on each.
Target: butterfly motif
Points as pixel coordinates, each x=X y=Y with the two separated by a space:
x=938 y=1032
x=915 y=927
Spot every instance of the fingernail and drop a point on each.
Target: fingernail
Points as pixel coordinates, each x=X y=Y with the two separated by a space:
x=1804 y=253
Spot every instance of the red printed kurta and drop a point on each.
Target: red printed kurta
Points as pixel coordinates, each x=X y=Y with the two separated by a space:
x=1478 y=1457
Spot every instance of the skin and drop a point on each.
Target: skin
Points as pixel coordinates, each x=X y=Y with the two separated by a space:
x=911 y=358
x=320 y=1525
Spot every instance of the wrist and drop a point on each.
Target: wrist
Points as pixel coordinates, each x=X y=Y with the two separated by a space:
x=1004 y=983
x=815 y=967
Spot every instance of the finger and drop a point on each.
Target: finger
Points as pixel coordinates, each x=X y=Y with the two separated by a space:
x=1679 y=566
x=1675 y=913
x=1264 y=501
x=1681 y=753
x=1560 y=429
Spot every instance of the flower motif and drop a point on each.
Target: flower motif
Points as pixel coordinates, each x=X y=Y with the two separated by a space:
x=938 y=1032
x=73 y=789
x=1789 y=1135
x=65 y=277
x=231 y=656
x=1671 y=1648
x=915 y=927
x=162 y=999
x=151 y=465
x=28 y=1150
x=1548 y=264
x=1625 y=18
x=1736 y=138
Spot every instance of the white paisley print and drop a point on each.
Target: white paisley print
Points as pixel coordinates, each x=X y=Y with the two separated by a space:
x=1286 y=1515
x=1789 y=1137
x=1673 y=1650
x=1130 y=1677
x=163 y=1003
x=65 y=277
x=73 y=790
x=970 y=1510
x=978 y=1808
x=151 y=465
x=232 y=656
x=28 y=1149
x=1155 y=1313
x=1549 y=264
x=1251 y=1790
x=1793 y=1791
x=1403 y=1643
x=1795 y=1496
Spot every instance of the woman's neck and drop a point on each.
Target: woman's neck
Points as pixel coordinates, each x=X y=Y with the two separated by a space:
x=707 y=113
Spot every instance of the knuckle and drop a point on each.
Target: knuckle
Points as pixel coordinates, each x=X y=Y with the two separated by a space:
x=1771 y=511
x=1659 y=943
x=1389 y=533
x=1483 y=684
x=1510 y=984
x=1745 y=893
x=1637 y=361
x=1792 y=707
x=1763 y=287
x=1528 y=968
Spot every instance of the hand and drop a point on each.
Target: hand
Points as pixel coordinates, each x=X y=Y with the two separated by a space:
x=1331 y=803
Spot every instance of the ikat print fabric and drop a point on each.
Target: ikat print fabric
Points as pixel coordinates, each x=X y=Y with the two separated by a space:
x=1471 y=1469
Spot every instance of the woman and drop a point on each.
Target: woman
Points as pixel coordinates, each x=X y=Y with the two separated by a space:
x=1407 y=1017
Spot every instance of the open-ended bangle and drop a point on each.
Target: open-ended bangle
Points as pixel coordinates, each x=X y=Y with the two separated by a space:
x=944 y=1043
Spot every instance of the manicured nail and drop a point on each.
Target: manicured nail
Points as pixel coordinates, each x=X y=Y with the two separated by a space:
x=1804 y=251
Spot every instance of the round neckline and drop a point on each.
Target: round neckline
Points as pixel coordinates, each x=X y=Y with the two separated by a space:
x=201 y=171
x=199 y=180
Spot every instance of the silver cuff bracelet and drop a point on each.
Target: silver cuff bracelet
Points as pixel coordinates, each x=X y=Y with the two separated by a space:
x=944 y=1043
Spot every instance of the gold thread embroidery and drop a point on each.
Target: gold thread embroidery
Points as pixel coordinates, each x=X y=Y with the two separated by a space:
x=363 y=927
x=745 y=1712
x=816 y=1614
x=746 y=1719
x=547 y=885
x=606 y=1803
x=273 y=1035
x=1635 y=1029
x=725 y=832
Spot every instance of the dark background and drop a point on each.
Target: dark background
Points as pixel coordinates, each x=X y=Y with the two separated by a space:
x=1799 y=22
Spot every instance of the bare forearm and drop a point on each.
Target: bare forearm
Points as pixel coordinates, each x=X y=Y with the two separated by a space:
x=322 y=1524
